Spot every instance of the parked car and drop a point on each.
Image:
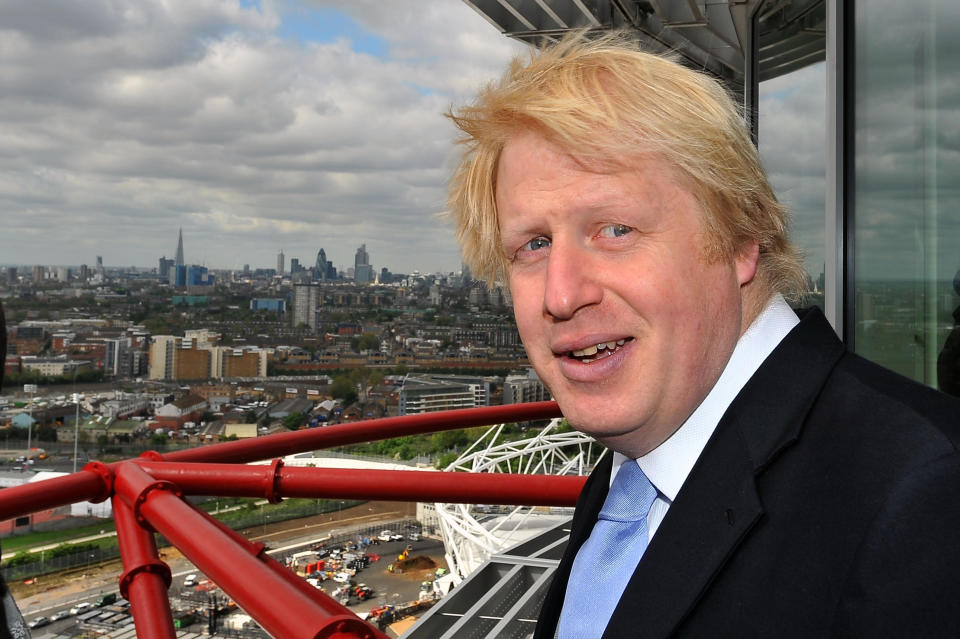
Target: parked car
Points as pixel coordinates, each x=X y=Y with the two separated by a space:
x=190 y=580
x=38 y=622
x=107 y=599
x=57 y=616
x=385 y=535
x=83 y=606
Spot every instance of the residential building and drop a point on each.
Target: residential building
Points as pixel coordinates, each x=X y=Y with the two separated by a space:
x=306 y=300
x=162 y=362
x=275 y=304
x=432 y=393
x=520 y=389
x=54 y=366
x=178 y=412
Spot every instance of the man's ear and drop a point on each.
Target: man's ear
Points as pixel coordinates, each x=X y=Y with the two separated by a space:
x=746 y=262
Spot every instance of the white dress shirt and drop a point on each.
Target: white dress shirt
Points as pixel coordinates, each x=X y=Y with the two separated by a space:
x=668 y=465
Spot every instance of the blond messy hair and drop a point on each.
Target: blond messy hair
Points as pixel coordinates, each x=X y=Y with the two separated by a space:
x=605 y=100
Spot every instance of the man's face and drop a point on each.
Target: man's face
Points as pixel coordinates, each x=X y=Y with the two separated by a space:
x=622 y=316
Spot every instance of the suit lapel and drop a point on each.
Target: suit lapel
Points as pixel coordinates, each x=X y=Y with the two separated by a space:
x=719 y=503
x=710 y=517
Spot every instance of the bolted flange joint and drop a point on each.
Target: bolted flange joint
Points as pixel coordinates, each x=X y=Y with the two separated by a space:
x=151 y=455
x=106 y=476
x=155 y=567
x=274 y=486
x=142 y=498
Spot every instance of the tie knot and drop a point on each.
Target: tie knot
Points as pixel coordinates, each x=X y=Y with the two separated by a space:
x=631 y=495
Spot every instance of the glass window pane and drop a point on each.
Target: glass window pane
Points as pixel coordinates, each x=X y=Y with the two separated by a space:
x=792 y=141
x=906 y=235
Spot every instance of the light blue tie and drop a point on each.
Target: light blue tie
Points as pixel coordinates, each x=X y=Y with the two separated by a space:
x=606 y=561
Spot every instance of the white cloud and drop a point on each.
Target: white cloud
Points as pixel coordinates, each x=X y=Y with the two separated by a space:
x=123 y=120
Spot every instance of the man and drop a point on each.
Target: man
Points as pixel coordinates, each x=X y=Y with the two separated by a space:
x=792 y=488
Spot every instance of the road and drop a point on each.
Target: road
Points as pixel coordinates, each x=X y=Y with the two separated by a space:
x=286 y=537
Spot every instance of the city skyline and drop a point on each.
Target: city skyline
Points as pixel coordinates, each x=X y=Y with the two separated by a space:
x=265 y=125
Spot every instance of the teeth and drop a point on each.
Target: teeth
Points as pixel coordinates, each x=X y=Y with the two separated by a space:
x=590 y=351
x=587 y=352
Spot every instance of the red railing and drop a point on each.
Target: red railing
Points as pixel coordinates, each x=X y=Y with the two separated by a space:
x=147 y=497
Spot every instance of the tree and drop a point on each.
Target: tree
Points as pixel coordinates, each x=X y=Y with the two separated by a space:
x=368 y=342
x=375 y=378
x=293 y=421
x=343 y=388
x=448 y=439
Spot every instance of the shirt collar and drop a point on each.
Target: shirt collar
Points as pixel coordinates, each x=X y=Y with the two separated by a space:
x=668 y=465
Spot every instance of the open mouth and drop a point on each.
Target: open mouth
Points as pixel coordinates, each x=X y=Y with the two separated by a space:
x=598 y=351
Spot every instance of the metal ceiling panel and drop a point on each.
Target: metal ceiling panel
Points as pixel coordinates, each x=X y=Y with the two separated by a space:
x=709 y=34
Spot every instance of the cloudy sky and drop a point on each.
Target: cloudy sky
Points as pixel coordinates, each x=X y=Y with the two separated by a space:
x=265 y=126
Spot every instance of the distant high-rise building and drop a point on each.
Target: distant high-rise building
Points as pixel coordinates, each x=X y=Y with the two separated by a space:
x=199 y=276
x=362 y=257
x=100 y=264
x=320 y=268
x=12 y=275
x=323 y=269
x=178 y=258
x=163 y=270
x=246 y=269
x=84 y=272
x=280 y=263
x=362 y=271
x=39 y=273
x=306 y=299
x=178 y=276
x=294 y=266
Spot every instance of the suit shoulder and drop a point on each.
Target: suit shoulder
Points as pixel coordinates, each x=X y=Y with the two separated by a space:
x=876 y=394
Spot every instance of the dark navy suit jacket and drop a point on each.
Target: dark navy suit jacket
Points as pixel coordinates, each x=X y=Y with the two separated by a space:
x=825 y=504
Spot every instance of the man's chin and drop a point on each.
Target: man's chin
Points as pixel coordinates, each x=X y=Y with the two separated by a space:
x=600 y=429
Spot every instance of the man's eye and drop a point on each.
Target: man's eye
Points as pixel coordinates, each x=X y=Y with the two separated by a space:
x=615 y=230
x=536 y=244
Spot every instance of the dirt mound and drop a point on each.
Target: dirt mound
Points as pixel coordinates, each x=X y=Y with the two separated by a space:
x=420 y=562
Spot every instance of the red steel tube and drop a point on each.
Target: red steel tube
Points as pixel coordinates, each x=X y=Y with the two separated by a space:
x=51 y=493
x=92 y=483
x=282 y=609
x=145 y=578
x=395 y=485
x=282 y=444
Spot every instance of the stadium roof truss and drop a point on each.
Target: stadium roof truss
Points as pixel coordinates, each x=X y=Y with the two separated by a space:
x=474 y=533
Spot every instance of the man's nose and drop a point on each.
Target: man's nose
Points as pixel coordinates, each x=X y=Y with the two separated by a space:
x=571 y=282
